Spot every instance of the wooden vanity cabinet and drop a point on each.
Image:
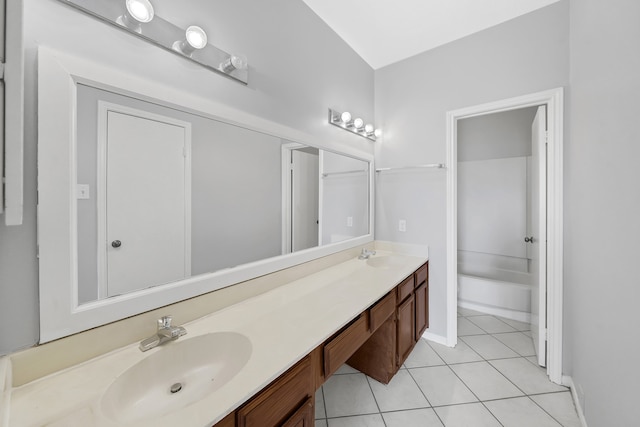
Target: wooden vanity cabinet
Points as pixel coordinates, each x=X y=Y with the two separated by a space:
x=377 y=343
x=390 y=345
x=288 y=401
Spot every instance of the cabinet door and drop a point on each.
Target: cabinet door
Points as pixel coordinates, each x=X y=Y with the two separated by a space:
x=303 y=417
x=422 y=310
x=281 y=400
x=405 y=329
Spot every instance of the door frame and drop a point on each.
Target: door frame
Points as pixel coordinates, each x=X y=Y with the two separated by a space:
x=286 y=150
x=104 y=107
x=554 y=100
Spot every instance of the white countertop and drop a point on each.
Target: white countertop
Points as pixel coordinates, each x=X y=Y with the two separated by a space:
x=283 y=325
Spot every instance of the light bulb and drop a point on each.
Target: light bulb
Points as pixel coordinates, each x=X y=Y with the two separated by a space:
x=234 y=62
x=140 y=10
x=345 y=117
x=378 y=133
x=196 y=37
x=368 y=128
x=358 y=123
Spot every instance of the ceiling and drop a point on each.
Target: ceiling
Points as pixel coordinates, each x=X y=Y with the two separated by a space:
x=386 y=31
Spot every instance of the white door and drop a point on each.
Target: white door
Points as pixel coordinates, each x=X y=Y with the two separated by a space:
x=537 y=239
x=304 y=203
x=147 y=228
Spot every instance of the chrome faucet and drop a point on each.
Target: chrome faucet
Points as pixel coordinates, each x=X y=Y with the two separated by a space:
x=165 y=333
x=365 y=254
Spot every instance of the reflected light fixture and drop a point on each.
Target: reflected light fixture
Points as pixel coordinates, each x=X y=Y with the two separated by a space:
x=136 y=12
x=357 y=126
x=194 y=38
x=368 y=128
x=234 y=62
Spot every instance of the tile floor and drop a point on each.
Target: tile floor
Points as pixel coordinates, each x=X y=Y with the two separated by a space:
x=490 y=379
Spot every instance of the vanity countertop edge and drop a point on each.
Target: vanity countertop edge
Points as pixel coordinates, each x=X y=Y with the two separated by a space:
x=298 y=316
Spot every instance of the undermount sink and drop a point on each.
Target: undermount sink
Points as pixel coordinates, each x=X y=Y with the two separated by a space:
x=386 y=261
x=178 y=374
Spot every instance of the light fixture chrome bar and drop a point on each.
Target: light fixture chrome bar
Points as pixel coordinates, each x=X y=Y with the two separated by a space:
x=324 y=175
x=164 y=34
x=336 y=119
x=427 y=166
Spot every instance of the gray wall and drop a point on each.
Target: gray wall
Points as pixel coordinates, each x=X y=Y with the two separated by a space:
x=496 y=136
x=602 y=205
x=298 y=68
x=344 y=195
x=525 y=55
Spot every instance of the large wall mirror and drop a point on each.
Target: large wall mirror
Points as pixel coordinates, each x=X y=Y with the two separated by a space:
x=144 y=202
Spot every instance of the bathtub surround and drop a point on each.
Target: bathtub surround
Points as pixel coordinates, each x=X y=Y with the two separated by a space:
x=494 y=155
x=510 y=300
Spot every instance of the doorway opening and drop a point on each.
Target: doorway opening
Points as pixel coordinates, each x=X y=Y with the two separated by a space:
x=545 y=261
x=502 y=219
x=301 y=197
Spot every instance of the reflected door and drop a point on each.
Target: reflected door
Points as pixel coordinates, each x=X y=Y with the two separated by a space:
x=304 y=198
x=538 y=238
x=147 y=203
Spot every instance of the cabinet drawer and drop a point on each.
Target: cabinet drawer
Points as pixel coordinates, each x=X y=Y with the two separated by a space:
x=340 y=348
x=405 y=288
x=303 y=416
x=381 y=311
x=280 y=400
x=422 y=274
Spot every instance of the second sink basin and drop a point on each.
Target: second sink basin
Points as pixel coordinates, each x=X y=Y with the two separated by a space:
x=176 y=375
x=386 y=261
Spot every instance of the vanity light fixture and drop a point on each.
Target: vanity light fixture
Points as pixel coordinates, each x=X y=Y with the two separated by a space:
x=194 y=38
x=357 y=126
x=136 y=12
x=234 y=62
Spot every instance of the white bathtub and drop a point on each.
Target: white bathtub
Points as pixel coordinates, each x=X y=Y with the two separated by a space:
x=510 y=299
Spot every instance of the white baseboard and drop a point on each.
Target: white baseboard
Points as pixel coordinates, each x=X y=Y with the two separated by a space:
x=439 y=339
x=568 y=382
x=495 y=311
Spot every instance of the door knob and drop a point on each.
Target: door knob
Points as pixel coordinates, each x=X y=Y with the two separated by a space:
x=528 y=239
x=116 y=243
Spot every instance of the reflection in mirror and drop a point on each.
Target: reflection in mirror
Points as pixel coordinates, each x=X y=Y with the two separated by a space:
x=164 y=194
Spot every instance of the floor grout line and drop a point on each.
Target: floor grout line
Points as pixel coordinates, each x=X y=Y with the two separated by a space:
x=449 y=365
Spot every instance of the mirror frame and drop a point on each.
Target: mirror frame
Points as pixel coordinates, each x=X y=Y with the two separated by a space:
x=60 y=312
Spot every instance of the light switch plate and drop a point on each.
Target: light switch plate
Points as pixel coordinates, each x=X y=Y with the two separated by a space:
x=82 y=192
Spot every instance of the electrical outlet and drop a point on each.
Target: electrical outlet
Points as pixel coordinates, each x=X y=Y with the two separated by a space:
x=349 y=221
x=402 y=225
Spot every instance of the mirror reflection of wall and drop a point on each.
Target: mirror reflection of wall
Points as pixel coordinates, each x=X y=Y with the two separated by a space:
x=165 y=194
x=345 y=198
